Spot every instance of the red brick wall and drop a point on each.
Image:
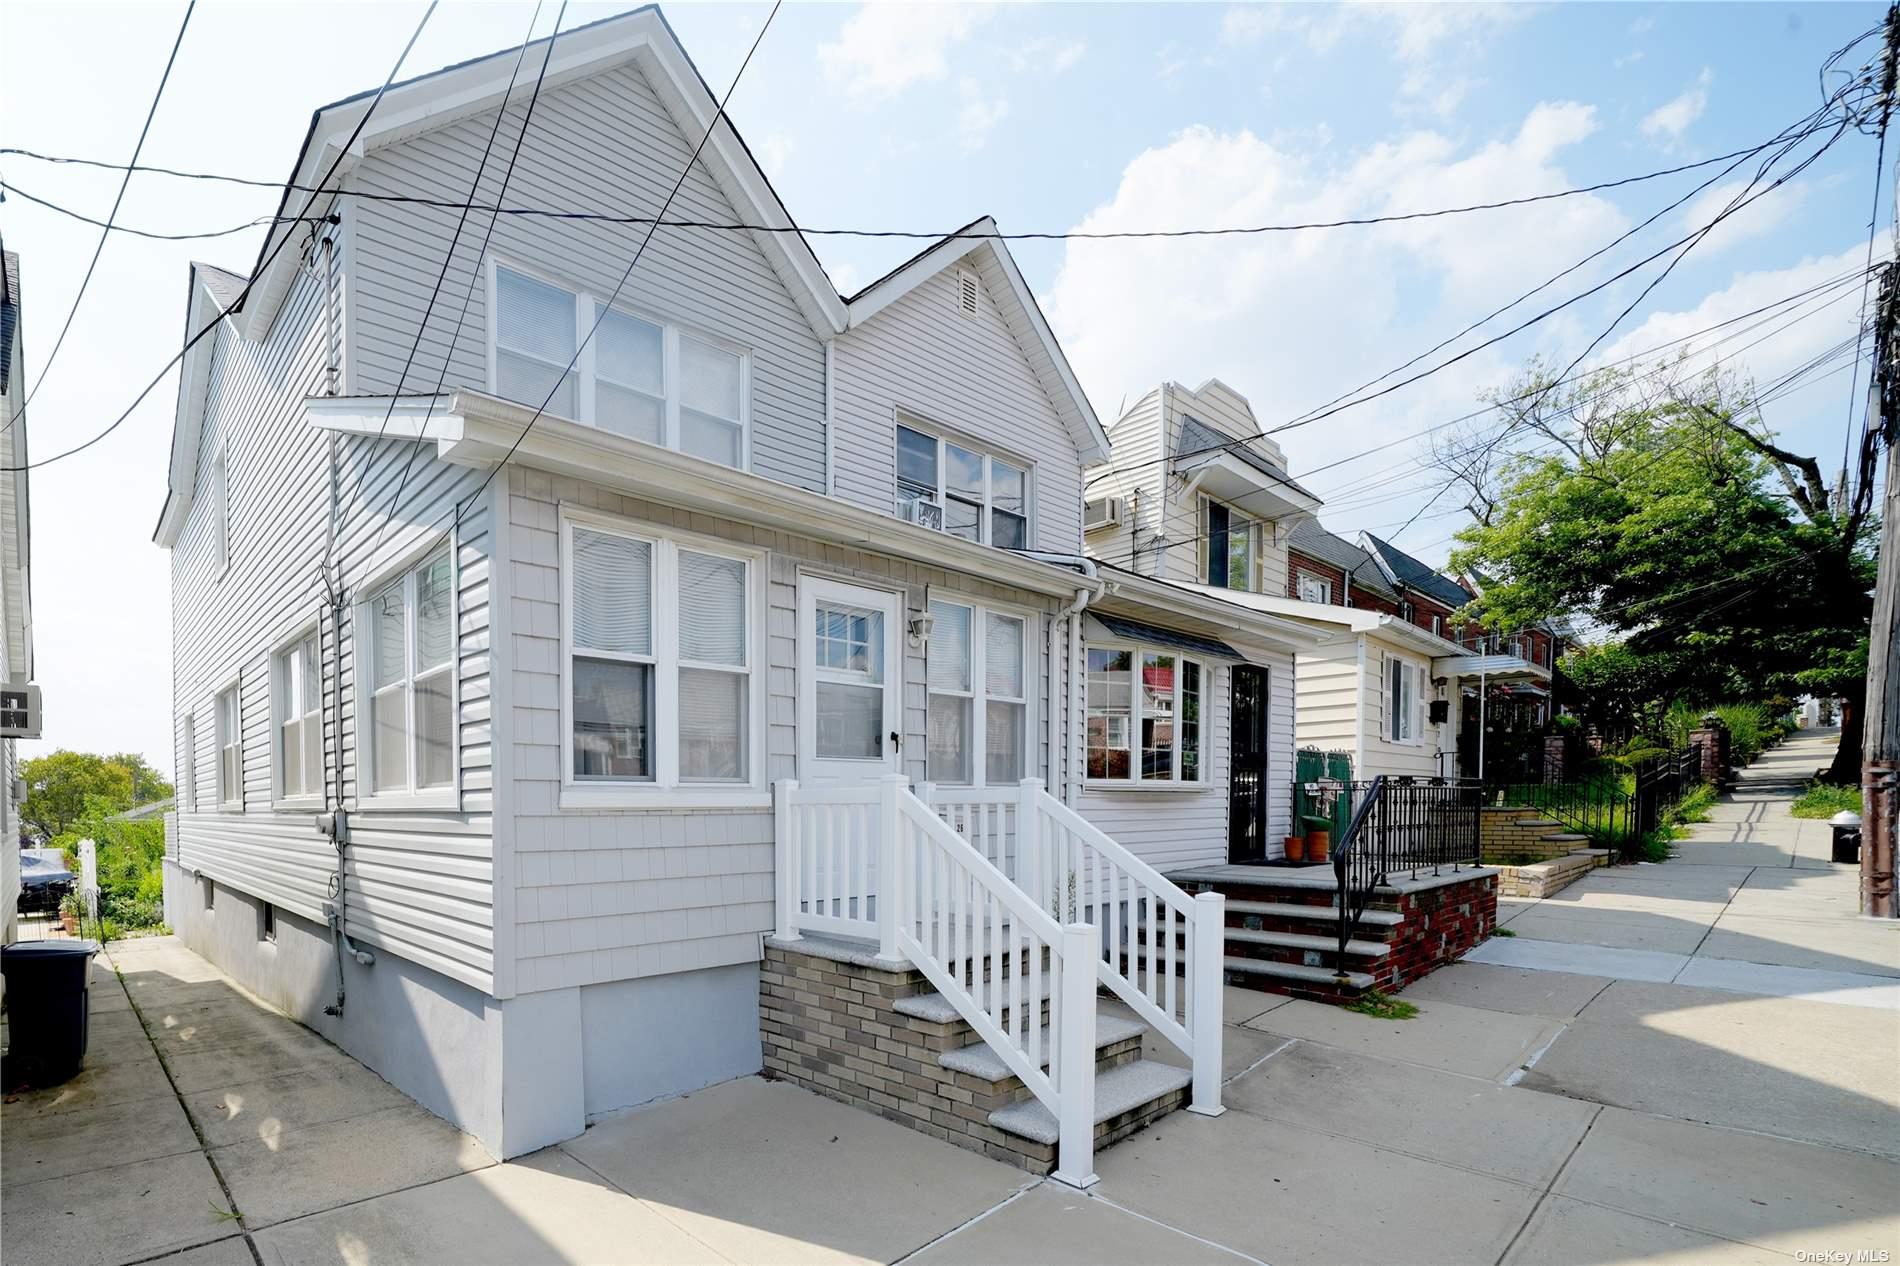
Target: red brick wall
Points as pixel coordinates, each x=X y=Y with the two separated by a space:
x=1440 y=925
x=1299 y=565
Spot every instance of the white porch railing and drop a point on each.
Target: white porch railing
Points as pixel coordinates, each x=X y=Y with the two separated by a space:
x=877 y=862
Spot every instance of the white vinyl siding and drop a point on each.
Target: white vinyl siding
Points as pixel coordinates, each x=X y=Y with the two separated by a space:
x=606 y=141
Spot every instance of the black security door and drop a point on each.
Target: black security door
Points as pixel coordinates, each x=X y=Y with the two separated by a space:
x=1247 y=777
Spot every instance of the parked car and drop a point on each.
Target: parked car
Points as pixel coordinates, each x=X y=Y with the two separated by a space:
x=44 y=880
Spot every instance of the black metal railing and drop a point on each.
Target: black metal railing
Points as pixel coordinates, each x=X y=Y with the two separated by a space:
x=1615 y=806
x=1401 y=827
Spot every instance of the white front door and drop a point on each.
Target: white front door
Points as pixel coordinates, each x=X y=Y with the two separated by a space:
x=850 y=681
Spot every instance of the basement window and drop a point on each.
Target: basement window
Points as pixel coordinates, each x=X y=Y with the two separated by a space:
x=267 y=922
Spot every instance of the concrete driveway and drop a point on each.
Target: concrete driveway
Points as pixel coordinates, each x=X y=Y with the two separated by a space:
x=208 y=1130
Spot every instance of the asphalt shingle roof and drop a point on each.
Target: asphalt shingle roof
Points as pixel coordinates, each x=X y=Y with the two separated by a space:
x=1314 y=541
x=1416 y=575
x=1197 y=435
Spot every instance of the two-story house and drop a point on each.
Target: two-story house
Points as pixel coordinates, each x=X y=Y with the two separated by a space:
x=543 y=643
x=16 y=586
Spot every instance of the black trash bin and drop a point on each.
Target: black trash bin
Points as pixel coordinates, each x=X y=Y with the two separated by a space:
x=48 y=1007
x=1846 y=826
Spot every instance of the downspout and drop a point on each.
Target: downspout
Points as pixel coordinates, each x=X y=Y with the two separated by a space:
x=1072 y=733
x=1359 y=716
x=1483 y=700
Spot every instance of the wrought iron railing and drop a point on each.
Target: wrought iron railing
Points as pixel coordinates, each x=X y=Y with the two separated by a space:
x=1401 y=827
x=1599 y=805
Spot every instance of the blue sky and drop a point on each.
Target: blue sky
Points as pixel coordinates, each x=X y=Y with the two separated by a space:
x=1048 y=117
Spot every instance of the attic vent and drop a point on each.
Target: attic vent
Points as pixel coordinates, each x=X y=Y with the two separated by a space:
x=966 y=292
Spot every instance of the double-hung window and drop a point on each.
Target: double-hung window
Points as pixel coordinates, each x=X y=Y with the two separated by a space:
x=637 y=376
x=188 y=767
x=979 y=696
x=1314 y=589
x=1405 y=700
x=411 y=642
x=230 y=751
x=977 y=496
x=661 y=682
x=221 y=508
x=1145 y=722
x=297 y=720
x=1230 y=547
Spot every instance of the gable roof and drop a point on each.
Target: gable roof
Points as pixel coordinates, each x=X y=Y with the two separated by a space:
x=1314 y=541
x=435 y=100
x=1405 y=570
x=1197 y=436
x=211 y=294
x=9 y=312
x=979 y=242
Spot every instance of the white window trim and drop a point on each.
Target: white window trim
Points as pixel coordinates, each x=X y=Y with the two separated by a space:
x=990 y=454
x=587 y=308
x=363 y=650
x=1323 y=585
x=188 y=771
x=308 y=800
x=235 y=687
x=666 y=791
x=1134 y=781
x=1256 y=542
x=1419 y=675
x=978 y=693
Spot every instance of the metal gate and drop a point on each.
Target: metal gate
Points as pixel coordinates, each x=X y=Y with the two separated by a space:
x=1247 y=772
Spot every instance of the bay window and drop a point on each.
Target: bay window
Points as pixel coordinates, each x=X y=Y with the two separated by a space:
x=979 y=696
x=1145 y=721
x=660 y=687
x=408 y=628
x=297 y=720
x=979 y=497
x=1405 y=700
x=1231 y=550
x=638 y=376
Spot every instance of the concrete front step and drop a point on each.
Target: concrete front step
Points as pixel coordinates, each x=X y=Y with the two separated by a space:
x=937 y=1009
x=1301 y=941
x=1133 y=1091
x=1321 y=914
x=1322 y=978
x=979 y=1059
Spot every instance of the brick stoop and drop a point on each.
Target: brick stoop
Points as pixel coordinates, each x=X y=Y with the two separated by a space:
x=1543 y=879
x=834 y=1020
x=1282 y=928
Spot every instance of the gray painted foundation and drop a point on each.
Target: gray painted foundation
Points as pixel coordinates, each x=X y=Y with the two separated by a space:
x=518 y=1073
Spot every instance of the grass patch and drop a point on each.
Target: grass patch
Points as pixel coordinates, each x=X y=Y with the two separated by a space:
x=1824 y=800
x=1695 y=805
x=1502 y=932
x=1382 y=1006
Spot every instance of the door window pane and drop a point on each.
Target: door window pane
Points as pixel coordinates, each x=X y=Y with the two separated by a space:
x=1157 y=716
x=612 y=588
x=712 y=713
x=950 y=745
x=613 y=719
x=850 y=640
x=850 y=721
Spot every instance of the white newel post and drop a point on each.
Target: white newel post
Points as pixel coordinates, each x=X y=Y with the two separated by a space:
x=890 y=897
x=1029 y=839
x=785 y=831
x=1210 y=946
x=1075 y=1056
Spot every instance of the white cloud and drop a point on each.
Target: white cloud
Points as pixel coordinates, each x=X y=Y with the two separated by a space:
x=1247 y=23
x=883 y=49
x=1667 y=122
x=1294 y=319
x=979 y=115
x=1050 y=56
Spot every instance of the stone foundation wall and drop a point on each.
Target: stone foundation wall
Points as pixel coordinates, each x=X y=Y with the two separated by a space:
x=1543 y=879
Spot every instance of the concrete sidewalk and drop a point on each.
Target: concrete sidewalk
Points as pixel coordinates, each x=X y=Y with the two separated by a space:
x=206 y=1122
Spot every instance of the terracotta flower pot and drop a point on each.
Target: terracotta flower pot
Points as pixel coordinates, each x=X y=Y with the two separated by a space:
x=1296 y=848
x=1317 y=844
x=70 y=922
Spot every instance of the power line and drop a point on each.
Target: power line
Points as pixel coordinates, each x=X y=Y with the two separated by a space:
x=238 y=304
x=105 y=231
x=965 y=233
x=448 y=256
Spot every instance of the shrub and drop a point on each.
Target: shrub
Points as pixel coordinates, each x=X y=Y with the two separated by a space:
x=1824 y=800
x=1749 y=728
x=129 y=854
x=1694 y=806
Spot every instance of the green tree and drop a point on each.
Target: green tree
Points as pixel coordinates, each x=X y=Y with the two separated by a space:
x=1665 y=514
x=63 y=786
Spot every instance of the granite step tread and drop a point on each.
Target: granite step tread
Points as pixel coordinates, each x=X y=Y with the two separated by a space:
x=1295 y=971
x=981 y=1060
x=1325 y=914
x=1117 y=1091
x=937 y=1009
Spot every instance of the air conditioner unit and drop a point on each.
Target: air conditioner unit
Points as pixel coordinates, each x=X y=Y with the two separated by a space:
x=923 y=513
x=1104 y=512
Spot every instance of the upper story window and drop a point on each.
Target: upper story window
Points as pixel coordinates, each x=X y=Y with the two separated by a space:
x=1315 y=589
x=409 y=643
x=1438 y=625
x=661 y=686
x=297 y=721
x=640 y=377
x=1405 y=700
x=221 y=509
x=188 y=767
x=1231 y=554
x=1407 y=612
x=959 y=490
x=979 y=694
x=1144 y=720
x=230 y=750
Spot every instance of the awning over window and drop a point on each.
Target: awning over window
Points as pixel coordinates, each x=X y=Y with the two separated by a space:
x=1115 y=627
